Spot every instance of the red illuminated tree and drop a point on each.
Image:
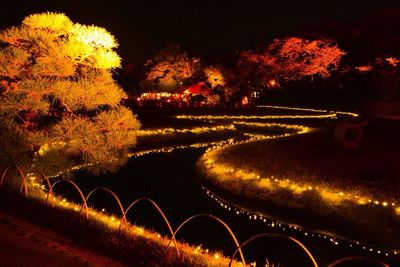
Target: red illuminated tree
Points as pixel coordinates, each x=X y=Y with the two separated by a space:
x=59 y=105
x=291 y=59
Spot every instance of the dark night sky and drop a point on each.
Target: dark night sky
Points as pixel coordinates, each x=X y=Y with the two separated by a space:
x=204 y=28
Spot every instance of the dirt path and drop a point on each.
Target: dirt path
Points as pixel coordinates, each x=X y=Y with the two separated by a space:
x=24 y=244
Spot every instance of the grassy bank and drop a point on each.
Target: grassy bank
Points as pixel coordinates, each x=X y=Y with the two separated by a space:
x=352 y=194
x=130 y=245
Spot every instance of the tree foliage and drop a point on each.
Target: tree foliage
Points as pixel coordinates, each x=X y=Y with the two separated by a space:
x=214 y=76
x=169 y=69
x=59 y=105
x=291 y=59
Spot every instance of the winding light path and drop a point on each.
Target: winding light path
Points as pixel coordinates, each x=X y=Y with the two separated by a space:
x=246 y=126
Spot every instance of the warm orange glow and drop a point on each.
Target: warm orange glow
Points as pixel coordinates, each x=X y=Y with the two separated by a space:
x=245 y=100
x=272 y=83
x=164 y=96
x=293 y=58
x=393 y=61
x=225 y=172
x=214 y=77
x=364 y=68
x=397 y=211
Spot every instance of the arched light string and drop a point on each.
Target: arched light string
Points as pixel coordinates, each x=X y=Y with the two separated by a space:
x=121 y=224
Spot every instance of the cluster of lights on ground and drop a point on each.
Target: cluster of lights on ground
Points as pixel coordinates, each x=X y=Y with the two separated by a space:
x=229 y=171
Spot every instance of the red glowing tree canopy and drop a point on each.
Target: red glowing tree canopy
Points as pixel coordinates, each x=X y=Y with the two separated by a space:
x=291 y=59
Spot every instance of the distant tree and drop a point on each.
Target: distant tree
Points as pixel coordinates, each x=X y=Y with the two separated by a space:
x=214 y=76
x=224 y=84
x=169 y=69
x=291 y=59
x=232 y=93
x=59 y=105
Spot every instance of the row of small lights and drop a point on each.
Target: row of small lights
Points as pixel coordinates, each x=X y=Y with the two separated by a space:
x=231 y=141
x=303 y=188
x=196 y=130
x=295 y=228
x=310 y=110
x=253 y=117
x=298 y=128
x=114 y=223
x=325 y=192
x=170 y=149
x=329 y=114
x=181 y=147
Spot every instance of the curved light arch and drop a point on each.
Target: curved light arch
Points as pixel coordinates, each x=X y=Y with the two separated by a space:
x=273 y=235
x=115 y=197
x=219 y=221
x=84 y=205
x=159 y=211
x=4 y=175
x=50 y=193
x=24 y=185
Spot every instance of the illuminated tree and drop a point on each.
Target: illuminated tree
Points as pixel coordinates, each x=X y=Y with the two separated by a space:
x=169 y=69
x=59 y=105
x=291 y=59
x=214 y=76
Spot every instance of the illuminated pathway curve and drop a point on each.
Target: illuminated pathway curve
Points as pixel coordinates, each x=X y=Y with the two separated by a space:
x=225 y=175
x=252 y=128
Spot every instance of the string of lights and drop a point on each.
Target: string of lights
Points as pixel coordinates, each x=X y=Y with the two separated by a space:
x=196 y=130
x=309 y=110
x=334 y=196
x=287 y=228
x=254 y=117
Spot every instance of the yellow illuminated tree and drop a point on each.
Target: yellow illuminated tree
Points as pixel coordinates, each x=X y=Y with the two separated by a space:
x=169 y=69
x=59 y=105
x=214 y=76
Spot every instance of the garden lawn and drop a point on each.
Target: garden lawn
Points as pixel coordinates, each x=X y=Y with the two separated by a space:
x=307 y=179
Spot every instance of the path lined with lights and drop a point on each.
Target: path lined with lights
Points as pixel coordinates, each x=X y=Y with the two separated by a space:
x=352 y=114
x=224 y=172
x=196 y=130
x=331 y=195
x=232 y=173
